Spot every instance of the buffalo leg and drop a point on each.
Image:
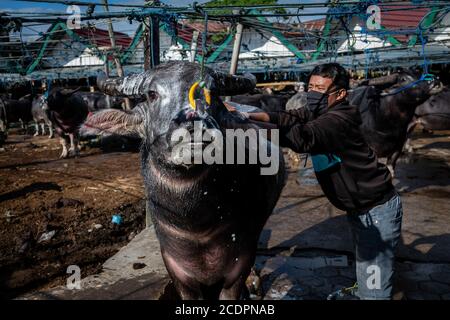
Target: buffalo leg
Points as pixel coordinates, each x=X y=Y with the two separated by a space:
x=233 y=292
x=392 y=161
x=22 y=124
x=50 y=128
x=77 y=144
x=74 y=147
x=36 y=125
x=64 y=142
x=409 y=131
x=185 y=291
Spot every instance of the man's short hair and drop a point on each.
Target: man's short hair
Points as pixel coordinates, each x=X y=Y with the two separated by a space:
x=335 y=72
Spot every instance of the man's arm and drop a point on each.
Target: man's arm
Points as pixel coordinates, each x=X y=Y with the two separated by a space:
x=286 y=119
x=325 y=134
x=283 y=119
x=302 y=134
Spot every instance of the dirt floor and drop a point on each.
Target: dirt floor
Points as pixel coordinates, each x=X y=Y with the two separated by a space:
x=73 y=200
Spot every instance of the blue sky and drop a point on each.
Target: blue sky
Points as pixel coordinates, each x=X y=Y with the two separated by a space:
x=29 y=34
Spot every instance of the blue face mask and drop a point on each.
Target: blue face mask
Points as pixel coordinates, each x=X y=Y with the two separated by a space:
x=317 y=102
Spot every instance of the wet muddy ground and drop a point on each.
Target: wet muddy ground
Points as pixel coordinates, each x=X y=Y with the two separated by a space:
x=305 y=250
x=57 y=212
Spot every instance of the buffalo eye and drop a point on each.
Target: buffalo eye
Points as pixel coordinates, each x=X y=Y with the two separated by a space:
x=151 y=96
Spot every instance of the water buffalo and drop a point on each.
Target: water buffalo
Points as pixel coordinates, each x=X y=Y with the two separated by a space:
x=433 y=114
x=66 y=112
x=96 y=101
x=387 y=113
x=207 y=217
x=39 y=112
x=16 y=110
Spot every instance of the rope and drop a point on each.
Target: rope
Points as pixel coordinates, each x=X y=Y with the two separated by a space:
x=425 y=61
x=204 y=39
x=343 y=10
x=342 y=292
x=423 y=77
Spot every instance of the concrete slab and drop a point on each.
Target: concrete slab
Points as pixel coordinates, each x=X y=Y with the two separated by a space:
x=120 y=279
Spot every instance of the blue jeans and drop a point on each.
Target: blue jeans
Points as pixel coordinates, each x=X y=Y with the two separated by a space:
x=376 y=234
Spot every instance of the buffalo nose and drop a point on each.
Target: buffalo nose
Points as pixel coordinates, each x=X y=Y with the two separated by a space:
x=191 y=115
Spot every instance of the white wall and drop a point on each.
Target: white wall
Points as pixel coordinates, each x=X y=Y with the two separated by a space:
x=443 y=34
x=68 y=54
x=261 y=44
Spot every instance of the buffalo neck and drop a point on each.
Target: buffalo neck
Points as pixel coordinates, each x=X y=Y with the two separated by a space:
x=188 y=199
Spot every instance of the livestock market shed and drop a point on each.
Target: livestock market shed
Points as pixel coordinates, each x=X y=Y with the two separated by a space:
x=98 y=202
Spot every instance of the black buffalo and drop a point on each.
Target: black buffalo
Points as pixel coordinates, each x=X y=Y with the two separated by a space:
x=67 y=112
x=387 y=112
x=68 y=109
x=433 y=114
x=17 y=110
x=96 y=101
x=14 y=110
x=208 y=217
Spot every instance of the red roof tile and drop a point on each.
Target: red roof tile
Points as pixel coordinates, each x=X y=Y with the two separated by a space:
x=313 y=25
x=100 y=37
x=398 y=18
x=213 y=26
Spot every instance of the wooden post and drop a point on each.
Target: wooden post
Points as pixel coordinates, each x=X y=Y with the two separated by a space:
x=146 y=42
x=236 y=49
x=113 y=46
x=108 y=100
x=194 y=46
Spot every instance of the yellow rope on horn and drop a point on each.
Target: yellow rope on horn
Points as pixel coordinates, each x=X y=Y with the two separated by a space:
x=191 y=95
x=206 y=93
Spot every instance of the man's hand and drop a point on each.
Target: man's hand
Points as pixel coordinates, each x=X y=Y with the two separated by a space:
x=229 y=107
x=243 y=115
x=257 y=116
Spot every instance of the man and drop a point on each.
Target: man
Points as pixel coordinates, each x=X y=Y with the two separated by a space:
x=348 y=172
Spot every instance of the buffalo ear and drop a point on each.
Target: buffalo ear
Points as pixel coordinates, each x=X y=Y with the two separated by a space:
x=112 y=121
